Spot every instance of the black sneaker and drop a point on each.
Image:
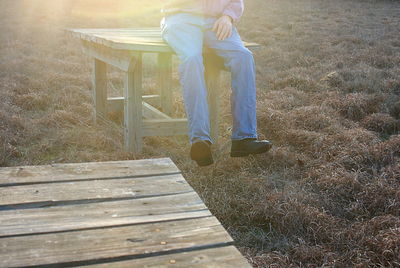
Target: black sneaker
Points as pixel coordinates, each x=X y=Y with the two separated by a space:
x=201 y=153
x=245 y=147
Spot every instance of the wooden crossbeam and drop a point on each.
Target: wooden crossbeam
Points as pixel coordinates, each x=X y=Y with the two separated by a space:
x=116 y=105
x=164 y=127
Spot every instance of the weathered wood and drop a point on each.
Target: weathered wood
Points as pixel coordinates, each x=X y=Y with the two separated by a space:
x=99 y=89
x=164 y=127
x=116 y=104
x=224 y=257
x=121 y=59
x=85 y=171
x=132 y=108
x=165 y=81
x=150 y=112
x=100 y=189
x=145 y=40
x=101 y=214
x=105 y=220
x=212 y=74
x=119 y=47
x=135 y=241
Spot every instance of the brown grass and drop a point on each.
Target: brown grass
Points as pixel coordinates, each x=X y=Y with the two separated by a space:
x=328 y=82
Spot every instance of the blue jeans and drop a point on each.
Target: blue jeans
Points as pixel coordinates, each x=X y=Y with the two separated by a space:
x=186 y=34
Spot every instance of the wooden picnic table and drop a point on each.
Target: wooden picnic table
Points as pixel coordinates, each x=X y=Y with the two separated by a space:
x=123 y=48
x=139 y=213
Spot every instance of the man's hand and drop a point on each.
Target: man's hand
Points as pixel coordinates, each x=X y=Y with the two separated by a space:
x=223 y=27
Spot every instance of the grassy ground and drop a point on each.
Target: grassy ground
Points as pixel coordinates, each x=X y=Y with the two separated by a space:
x=327 y=195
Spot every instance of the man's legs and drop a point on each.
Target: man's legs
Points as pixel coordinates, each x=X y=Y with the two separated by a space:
x=239 y=61
x=184 y=34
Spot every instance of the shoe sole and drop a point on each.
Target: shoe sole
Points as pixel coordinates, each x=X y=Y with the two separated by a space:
x=201 y=153
x=245 y=153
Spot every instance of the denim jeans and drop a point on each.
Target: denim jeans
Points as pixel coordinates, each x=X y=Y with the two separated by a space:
x=186 y=34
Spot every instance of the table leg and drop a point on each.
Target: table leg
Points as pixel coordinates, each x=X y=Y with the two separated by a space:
x=164 y=81
x=212 y=76
x=99 y=89
x=133 y=106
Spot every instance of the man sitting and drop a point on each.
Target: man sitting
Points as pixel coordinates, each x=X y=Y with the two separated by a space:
x=188 y=25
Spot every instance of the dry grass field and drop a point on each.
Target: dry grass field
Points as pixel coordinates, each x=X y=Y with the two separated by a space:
x=327 y=195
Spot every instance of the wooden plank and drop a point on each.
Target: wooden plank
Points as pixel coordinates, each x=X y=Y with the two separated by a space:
x=121 y=59
x=128 y=39
x=224 y=257
x=212 y=75
x=133 y=108
x=99 y=89
x=116 y=104
x=149 y=112
x=86 y=190
x=164 y=127
x=165 y=81
x=135 y=241
x=85 y=171
x=101 y=214
x=152 y=99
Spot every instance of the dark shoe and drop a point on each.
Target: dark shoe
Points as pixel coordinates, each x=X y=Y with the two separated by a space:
x=249 y=146
x=201 y=153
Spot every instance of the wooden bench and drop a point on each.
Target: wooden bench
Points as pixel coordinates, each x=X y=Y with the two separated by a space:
x=123 y=48
x=139 y=213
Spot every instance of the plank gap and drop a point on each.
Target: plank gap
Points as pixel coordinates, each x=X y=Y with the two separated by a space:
x=42 y=204
x=133 y=257
x=90 y=179
x=112 y=226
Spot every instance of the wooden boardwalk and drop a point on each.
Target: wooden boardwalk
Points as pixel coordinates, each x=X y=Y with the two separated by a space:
x=139 y=213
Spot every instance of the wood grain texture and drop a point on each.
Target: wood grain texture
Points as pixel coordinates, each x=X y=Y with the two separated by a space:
x=88 y=217
x=144 y=40
x=121 y=59
x=151 y=112
x=116 y=104
x=133 y=108
x=164 y=127
x=85 y=171
x=99 y=89
x=101 y=214
x=224 y=257
x=94 y=189
x=165 y=81
x=107 y=243
x=212 y=75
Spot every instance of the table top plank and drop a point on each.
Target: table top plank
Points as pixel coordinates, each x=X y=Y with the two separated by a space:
x=146 y=40
x=96 y=189
x=224 y=257
x=135 y=241
x=85 y=171
x=103 y=214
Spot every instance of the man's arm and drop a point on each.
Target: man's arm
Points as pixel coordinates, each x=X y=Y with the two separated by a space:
x=232 y=12
x=234 y=9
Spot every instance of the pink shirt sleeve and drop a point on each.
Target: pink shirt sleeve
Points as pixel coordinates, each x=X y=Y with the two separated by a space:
x=234 y=9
